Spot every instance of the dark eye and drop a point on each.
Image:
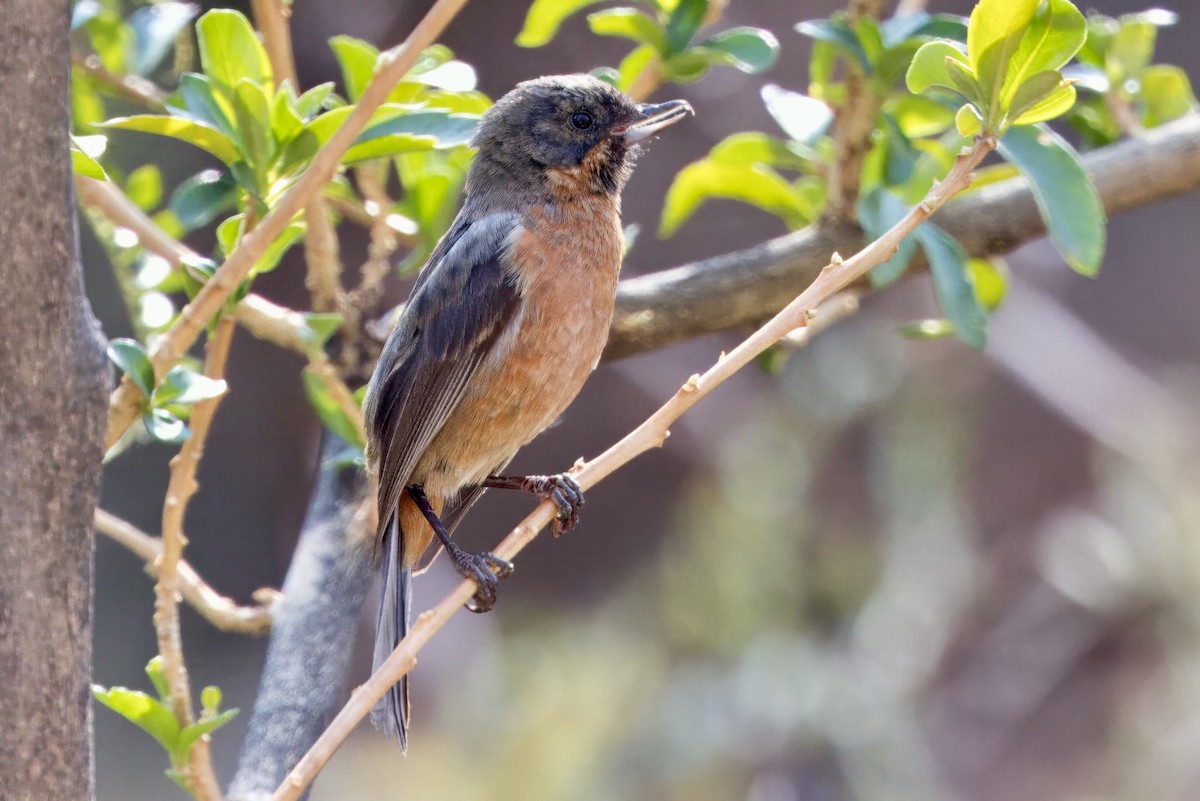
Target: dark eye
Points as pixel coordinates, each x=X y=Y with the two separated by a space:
x=581 y=120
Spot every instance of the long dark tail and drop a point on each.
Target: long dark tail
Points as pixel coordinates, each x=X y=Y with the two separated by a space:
x=395 y=608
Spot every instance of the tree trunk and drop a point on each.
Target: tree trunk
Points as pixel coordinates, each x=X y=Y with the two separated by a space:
x=53 y=385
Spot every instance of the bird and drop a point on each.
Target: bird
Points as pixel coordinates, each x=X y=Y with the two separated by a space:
x=505 y=321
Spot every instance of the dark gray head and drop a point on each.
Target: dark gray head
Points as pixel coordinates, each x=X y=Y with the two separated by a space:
x=569 y=134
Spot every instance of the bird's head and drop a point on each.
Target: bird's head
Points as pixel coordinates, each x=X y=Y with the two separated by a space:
x=565 y=135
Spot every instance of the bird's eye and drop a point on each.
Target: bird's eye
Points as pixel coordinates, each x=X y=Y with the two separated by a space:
x=581 y=120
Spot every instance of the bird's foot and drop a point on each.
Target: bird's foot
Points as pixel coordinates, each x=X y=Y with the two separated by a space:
x=486 y=570
x=567 y=496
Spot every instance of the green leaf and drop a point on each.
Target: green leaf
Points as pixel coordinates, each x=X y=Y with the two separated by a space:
x=319 y=327
x=952 y=284
x=164 y=426
x=276 y=250
x=148 y=714
x=420 y=129
x=967 y=122
x=1066 y=198
x=899 y=30
x=633 y=64
x=230 y=50
x=329 y=410
x=204 y=104
x=144 y=187
x=202 y=727
x=200 y=198
x=252 y=111
x=804 y=119
x=752 y=147
x=1054 y=36
x=878 y=211
x=184 y=387
x=1166 y=94
x=131 y=359
x=930 y=67
x=689 y=66
x=309 y=104
x=85 y=165
x=751 y=50
x=1055 y=104
x=154 y=669
x=966 y=84
x=194 y=133
x=357 y=60
x=545 y=17
x=994 y=34
x=685 y=20
x=757 y=185
x=155 y=29
x=1131 y=50
x=210 y=698
x=628 y=23
x=1035 y=89
x=836 y=32
x=990 y=279
x=919 y=116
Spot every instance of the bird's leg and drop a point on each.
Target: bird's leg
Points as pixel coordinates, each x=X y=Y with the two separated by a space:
x=485 y=569
x=560 y=489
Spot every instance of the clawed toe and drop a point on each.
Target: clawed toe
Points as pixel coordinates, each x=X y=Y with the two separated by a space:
x=567 y=496
x=486 y=570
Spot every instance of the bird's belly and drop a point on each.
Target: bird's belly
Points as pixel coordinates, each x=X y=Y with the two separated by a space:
x=519 y=391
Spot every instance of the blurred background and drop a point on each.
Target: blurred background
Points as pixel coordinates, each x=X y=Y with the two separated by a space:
x=893 y=570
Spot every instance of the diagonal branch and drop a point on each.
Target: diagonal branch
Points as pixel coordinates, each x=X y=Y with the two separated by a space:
x=740 y=289
x=796 y=316
x=391 y=67
x=218 y=610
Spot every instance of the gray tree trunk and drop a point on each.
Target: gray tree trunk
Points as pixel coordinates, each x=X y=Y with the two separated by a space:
x=53 y=387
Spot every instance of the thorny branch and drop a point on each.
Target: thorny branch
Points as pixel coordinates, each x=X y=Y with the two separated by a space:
x=837 y=275
x=199 y=773
x=217 y=609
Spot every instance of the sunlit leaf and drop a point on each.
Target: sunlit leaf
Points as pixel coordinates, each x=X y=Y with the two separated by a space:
x=194 y=133
x=994 y=33
x=628 y=23
x=184 y=387
x=1055 y=104
x=685 y=19
x=230 y=50
x=757 y=185
x=144 y=187
x=836 y=32
x=1054 y=36
x=155 y=28
x=750 y=50
x=148 y=714
x=357 y=60
x=930 y=67
x=545 y=17
x=131 y=359
x=804 y=119
x=1166 y=94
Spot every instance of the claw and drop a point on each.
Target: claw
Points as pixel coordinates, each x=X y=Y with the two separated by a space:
x=486 y=570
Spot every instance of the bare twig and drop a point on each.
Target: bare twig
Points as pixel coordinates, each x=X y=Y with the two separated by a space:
x=131 y=87
x=217 y=609
x=738 y=289
x=199 y=773
x=392 y=66
x=272 y=19
x=837 y=275
x=261 y=317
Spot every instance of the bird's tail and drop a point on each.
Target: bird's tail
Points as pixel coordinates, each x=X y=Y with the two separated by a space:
x=395 y=608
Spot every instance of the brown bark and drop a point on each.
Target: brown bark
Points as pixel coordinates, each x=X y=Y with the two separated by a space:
x=53 y=385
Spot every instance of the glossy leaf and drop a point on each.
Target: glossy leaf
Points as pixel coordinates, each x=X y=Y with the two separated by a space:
x=930 y=67
x=85 y=165
x=994 y=34
x=131 y=359
x=1055 y=104
x=545 y=17
x=252 y=112
x=184 y=387
x=836 y=32
x=804 y=119
x=633 y=64
x=898 y=30
x=752 y=147
x=1066 y=198
x=155 y=29
x=750 y=50
x=919 y=116
x=757 y=185
x=628 y=23
x=1053 y=37
x=967 y=122
x=194 y=133
x=230 y=50
x=990 y=279
x=952 y=284
x=319 y=327
x=683 y=23
x=148 y=714
x=357 y=60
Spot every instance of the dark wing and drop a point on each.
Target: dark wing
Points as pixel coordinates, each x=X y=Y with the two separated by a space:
x=460 y=306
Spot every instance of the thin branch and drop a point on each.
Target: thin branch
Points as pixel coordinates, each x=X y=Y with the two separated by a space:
x=391 y=67
x=261 y=317
x=328 y=374
x=199 y=773
x=854 y=122
x=837 y=275
x=404 y=229
x=131 y=87
x=741 y=288
x=272 y=18
x=217 y=609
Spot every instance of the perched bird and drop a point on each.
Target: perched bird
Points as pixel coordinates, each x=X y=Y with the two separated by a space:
x=504 y=324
